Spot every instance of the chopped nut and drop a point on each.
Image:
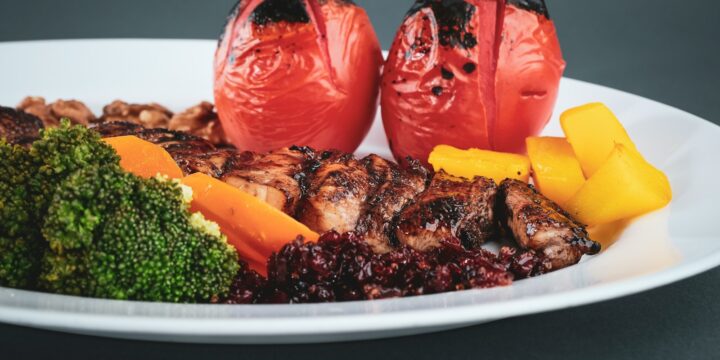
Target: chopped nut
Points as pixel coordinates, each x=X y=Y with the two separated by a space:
x=148 y=115
x=200 y=120
x=36 y=105
x=50 y=114
x=75 y=110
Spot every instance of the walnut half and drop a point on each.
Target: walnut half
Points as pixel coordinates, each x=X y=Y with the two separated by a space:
x=200 y=120
x=50 y=114
x=150 y=115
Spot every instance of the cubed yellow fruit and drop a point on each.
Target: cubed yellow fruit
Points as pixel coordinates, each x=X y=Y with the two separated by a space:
x=556 y=170
x=624 y=186
x=593 y=130
x=475 y=162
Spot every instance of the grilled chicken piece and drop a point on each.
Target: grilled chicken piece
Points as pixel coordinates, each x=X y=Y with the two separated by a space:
x=19 y=127
x=539 y=224
x=337 y=193
x=191 y=153
x=119 y=128
x=274 y=177
x=212 y=163
x=176 y=142
x=393 y=189
x=450 y=207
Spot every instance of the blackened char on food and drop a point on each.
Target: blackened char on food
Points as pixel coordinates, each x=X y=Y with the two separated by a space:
x=337 y=192
x=274 y=177
x=539 y=224
x=376 y=199
x=450 y=208
x=537 y=6
x=19 y=127
x=118 y=128
x=393 y=188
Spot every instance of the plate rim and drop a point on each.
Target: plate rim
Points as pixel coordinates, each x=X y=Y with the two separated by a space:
x=344 y=323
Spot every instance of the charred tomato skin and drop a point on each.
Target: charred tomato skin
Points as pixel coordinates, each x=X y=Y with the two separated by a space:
x=438 y=81
x=530 y=66
x=297 y=72
x=487 y=81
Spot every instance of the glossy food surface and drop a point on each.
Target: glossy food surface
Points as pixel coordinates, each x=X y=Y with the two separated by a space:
x=683 y=238
x=438 y=81
x=530 y=65
x=302 y=72
x=476 y=73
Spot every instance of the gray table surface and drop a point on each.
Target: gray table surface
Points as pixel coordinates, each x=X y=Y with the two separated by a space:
x=667 y=50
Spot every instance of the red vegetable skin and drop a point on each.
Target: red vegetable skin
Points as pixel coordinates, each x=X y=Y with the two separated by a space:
x=530 y=66
x=438 y=86
x=488 y=95
x=302 y=72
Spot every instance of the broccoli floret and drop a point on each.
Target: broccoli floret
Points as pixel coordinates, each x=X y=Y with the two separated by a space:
x=115 y=235
x=73 y=222
x=60 y=152
x=28 y=179
x=20 y=243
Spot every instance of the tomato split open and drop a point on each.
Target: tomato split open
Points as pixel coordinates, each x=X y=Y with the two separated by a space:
x=297 y=72
x=471 y=74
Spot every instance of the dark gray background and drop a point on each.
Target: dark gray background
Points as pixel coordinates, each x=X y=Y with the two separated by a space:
x=667 y=50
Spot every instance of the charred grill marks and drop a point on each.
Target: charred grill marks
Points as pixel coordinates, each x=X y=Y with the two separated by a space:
x=272 y=176
x=394 y=188
x=19 y=127
x=275 y=11
x=376 y=198
x=337 y=193
x=537 y=6
x=453 y=19
x=450 y=208
x=538 y=224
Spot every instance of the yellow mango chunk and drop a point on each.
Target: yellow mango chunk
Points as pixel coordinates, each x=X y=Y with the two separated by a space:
x=475 y=162
x=624 y=186
x=556 y=170
x=593 y=130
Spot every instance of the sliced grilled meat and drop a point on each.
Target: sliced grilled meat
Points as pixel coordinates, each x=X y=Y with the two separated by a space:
x=191 y=153
x=337 y=192
x=450 y=207
x=393 y=189
x=539 y=224
x=119 y=128
x=272 y=177
x=176 y=142
x=212 y=163
x=19 y=127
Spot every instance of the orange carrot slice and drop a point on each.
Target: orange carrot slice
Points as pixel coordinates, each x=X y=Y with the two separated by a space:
x=255 y=228
x=144 y=158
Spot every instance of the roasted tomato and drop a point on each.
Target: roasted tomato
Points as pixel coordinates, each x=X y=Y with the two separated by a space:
x=530 y=65
x=302 y=72
x=474 y=73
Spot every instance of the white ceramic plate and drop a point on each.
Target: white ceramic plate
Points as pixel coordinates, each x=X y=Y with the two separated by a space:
x=657 y=249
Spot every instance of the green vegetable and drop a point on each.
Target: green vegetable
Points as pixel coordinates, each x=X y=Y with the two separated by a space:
x=28 y=179
x=115 y=235
x=73 y=222
x=20 y=243
x=60 y=152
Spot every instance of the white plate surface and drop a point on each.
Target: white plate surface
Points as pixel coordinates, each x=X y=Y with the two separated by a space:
x=657 y=249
